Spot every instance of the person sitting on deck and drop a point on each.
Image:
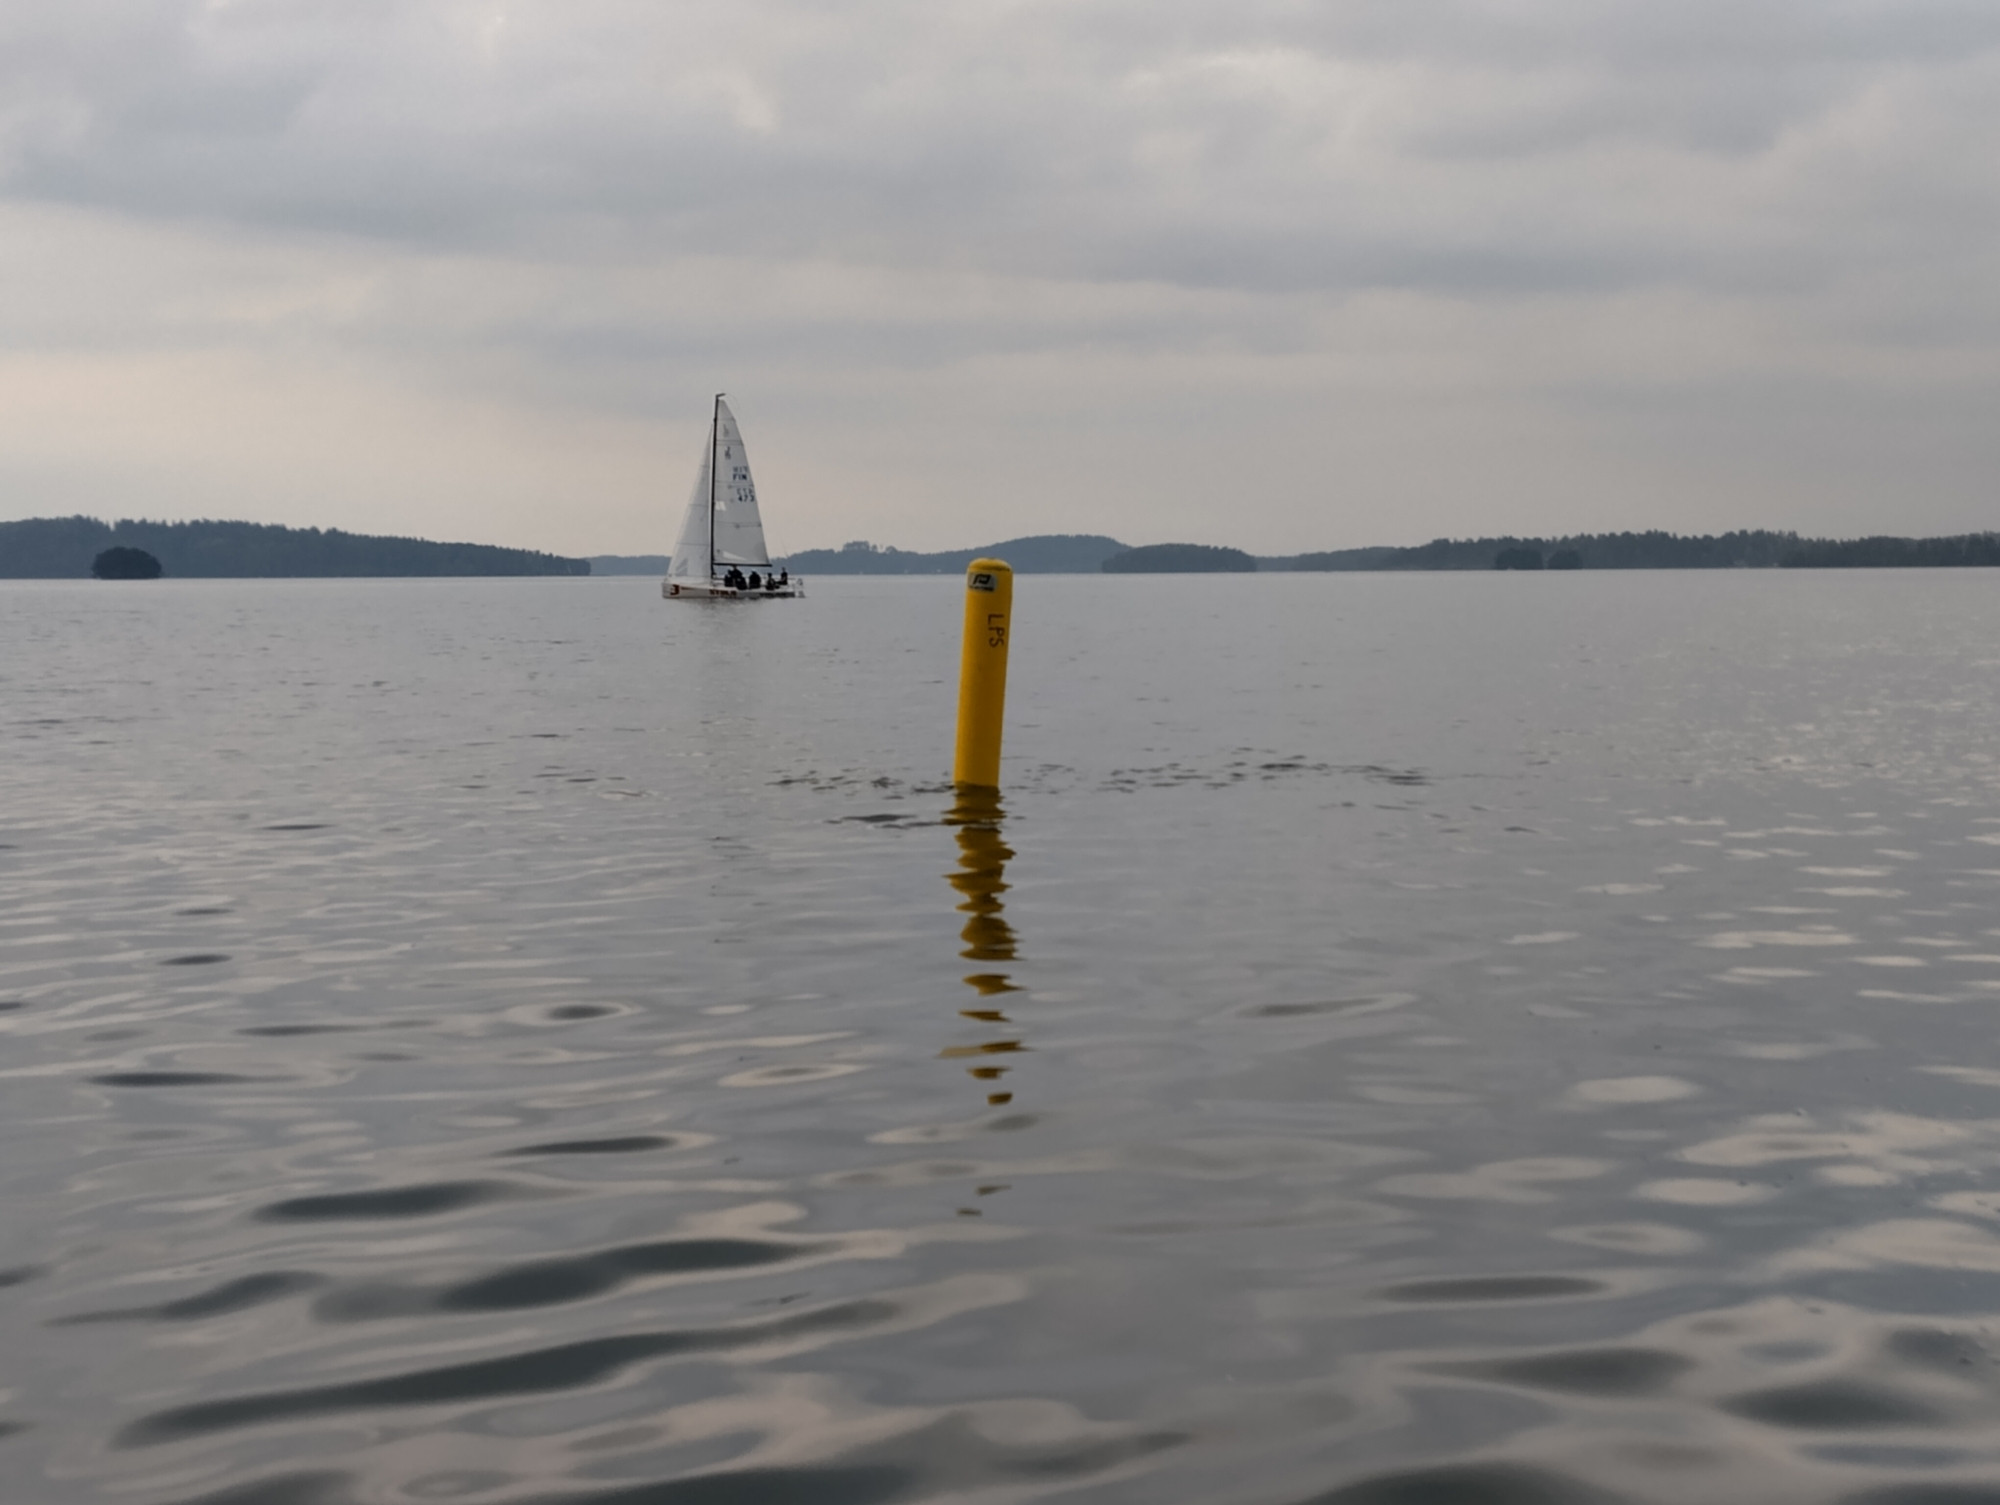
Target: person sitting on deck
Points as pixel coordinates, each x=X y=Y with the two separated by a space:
x=733 y=578
x=787 y=580
x=756 y=580
x=771 y=582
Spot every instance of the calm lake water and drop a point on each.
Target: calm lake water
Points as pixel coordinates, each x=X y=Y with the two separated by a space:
x=1421 y=1040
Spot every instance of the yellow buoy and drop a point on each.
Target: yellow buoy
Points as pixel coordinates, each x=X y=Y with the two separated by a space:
x=982 y=673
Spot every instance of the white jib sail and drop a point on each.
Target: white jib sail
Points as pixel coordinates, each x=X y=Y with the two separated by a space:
x=722 y=525
x=691 y=552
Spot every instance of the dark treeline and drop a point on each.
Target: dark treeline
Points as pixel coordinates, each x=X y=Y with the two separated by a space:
x=1747 y=549
x=1892 y=553
x=1656 y=550
x=62 y=548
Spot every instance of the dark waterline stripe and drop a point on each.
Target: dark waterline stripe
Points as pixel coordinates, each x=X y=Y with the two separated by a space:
x=565 y=1366
x=750 y=1486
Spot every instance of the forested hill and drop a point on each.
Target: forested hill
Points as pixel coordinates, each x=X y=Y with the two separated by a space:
x=1038 y=554
x=61 y=548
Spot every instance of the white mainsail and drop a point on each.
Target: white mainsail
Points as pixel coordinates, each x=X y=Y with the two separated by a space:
x=739 y=527
x=722 y=525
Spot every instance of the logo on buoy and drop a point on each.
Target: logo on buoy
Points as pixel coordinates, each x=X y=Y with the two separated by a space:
x=980 y=582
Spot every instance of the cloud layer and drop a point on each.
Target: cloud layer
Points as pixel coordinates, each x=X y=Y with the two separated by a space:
x=1346 y=272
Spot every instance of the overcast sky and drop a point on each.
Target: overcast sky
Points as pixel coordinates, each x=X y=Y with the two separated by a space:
x=1274 y=273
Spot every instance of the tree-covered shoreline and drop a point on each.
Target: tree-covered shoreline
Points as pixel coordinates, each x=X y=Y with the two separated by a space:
x=63 y=548
x=1655 y=549
x=1652 y=550
x=1658 y=550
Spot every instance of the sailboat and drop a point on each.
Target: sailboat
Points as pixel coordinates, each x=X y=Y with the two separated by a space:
x=721 y=555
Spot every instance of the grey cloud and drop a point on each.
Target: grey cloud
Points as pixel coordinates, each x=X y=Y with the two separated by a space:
x=1648 y=38
x=1428 y=143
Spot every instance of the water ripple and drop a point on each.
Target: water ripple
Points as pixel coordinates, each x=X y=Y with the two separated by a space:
x=553 y=1282
x=508 y=1041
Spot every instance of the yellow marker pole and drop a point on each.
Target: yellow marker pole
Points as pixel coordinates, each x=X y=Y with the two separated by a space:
x=982 y=673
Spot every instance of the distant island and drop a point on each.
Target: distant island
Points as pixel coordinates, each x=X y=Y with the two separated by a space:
x=65 y=548
x=1179 y=559
x=121 y=563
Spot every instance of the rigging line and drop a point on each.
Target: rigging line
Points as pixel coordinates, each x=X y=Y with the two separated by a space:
x=714 y=440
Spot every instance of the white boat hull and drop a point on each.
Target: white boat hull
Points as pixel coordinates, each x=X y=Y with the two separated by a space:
x=715 y=590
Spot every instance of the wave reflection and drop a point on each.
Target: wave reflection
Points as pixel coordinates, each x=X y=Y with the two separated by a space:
x=981 y=878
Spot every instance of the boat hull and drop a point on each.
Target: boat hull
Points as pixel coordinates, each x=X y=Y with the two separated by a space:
x=715 y=590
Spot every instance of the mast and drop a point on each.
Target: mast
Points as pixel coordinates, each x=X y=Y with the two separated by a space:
x=714 y=442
